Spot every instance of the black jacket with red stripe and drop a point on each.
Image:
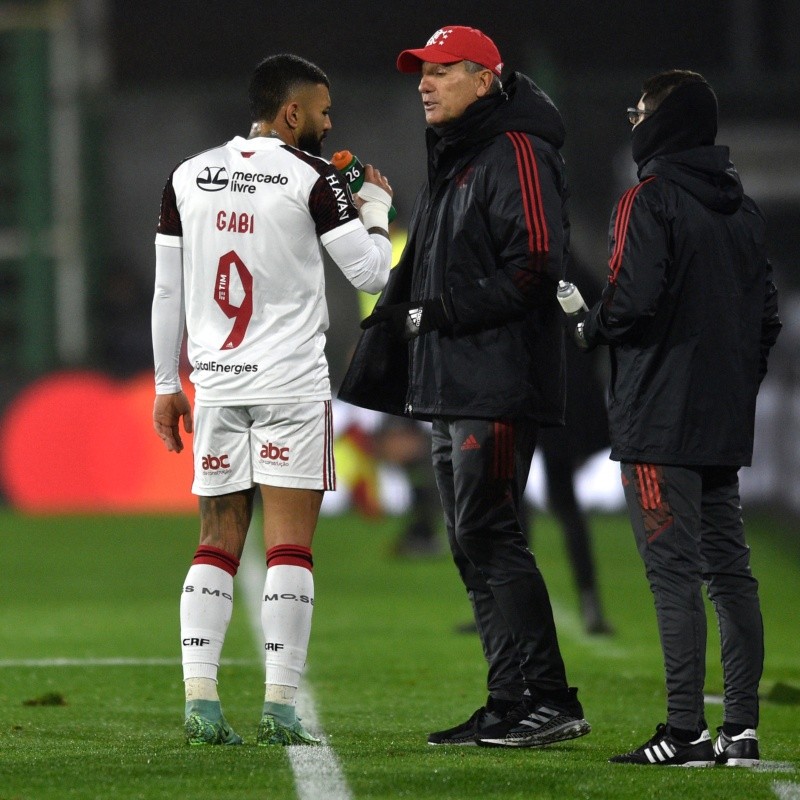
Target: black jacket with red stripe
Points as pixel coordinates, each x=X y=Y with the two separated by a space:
x=690 y=312
x=489 y=232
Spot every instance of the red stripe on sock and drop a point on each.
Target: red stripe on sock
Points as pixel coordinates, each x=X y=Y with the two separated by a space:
x=293 y=555
x=215 y=557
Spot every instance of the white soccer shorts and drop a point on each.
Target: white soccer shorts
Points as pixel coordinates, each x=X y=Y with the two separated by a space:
x=277 y=445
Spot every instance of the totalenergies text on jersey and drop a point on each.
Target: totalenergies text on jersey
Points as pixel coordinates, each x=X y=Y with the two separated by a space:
x=214 y=366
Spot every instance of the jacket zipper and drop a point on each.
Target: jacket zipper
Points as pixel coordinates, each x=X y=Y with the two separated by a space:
x=433 y=191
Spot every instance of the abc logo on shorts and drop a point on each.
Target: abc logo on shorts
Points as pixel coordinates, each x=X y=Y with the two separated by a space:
x=216 y=462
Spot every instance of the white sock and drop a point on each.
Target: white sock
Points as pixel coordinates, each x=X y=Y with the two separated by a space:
x=200 y=689
x=277 y=693
x=286 y=621
x=205 y=611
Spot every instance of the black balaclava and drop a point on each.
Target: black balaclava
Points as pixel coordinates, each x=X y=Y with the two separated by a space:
x=686 y=118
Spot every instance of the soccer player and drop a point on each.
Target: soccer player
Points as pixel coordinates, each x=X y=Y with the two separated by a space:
x=239 y=266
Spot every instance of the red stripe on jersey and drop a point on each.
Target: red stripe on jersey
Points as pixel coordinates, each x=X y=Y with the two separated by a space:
x=624 y=208
x=293 y=555
x=205 y=554
x=538 y=240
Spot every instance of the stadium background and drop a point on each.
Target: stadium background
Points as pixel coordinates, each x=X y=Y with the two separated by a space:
x=100 y=99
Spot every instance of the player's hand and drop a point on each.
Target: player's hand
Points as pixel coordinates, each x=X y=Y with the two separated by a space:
x=373 y=175
x=168 y=410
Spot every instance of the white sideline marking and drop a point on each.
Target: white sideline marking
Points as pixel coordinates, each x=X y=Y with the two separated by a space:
x=101 y=662
x=317 y=772
x=786 y=790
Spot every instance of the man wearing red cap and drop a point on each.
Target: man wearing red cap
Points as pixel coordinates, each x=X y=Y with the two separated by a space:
x=467 y=335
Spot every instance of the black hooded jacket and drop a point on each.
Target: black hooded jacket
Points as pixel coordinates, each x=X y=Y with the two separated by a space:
x=690 y=310
x=489 y=233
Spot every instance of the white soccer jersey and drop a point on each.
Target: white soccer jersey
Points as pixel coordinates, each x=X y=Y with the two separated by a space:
x=249 y=218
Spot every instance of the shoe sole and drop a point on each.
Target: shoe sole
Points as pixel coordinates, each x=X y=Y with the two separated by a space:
x=283 y=736
x=561 y=733
x=739 y=762
x=293 y=742
x=690 y=764
x=203 y=733
x=466 y=743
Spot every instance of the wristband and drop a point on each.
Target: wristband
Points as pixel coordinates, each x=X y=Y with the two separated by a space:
x=375 y=209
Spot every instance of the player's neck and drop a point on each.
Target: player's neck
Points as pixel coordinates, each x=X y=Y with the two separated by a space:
x=265 y=129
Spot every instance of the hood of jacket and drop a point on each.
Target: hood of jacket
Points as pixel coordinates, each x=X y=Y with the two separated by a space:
x=686 y=118
x=521 y=106
x=705 y=172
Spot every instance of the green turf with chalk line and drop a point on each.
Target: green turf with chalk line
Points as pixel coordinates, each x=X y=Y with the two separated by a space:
x=91 y=695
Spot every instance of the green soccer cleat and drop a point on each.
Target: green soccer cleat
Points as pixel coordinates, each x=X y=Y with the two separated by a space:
x=205 y=724
x=280 y=726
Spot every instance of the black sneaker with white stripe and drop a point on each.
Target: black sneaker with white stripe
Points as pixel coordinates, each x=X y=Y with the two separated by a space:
x=737 y=751
x=464 y=734
x=535 y=723
x=664 y=750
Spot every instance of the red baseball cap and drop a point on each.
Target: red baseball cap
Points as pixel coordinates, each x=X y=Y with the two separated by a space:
x=450 y=44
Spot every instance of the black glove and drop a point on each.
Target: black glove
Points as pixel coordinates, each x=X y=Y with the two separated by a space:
x=412 y=319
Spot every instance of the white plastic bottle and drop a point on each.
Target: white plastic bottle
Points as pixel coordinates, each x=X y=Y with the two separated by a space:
x=574 y=306
x=570 y=298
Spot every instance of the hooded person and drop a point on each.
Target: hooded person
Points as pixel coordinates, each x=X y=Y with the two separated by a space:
x=467 y=335
x=689 y=314
x=678 y=143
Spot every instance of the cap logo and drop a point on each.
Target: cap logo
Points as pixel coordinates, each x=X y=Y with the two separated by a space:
x=439 y=36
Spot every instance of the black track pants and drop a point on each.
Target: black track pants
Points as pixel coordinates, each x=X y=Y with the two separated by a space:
x=688 y=527
x=481 y=469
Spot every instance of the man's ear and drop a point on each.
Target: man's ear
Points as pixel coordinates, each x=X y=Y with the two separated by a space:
x=291 y=114
x=485 y=81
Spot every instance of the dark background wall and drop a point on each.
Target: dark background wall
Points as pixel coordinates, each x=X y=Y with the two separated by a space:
x=100 y=99
x=178 y=75
x=154 y=41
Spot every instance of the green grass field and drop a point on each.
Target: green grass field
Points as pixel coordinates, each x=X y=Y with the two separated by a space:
x=91 y=699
